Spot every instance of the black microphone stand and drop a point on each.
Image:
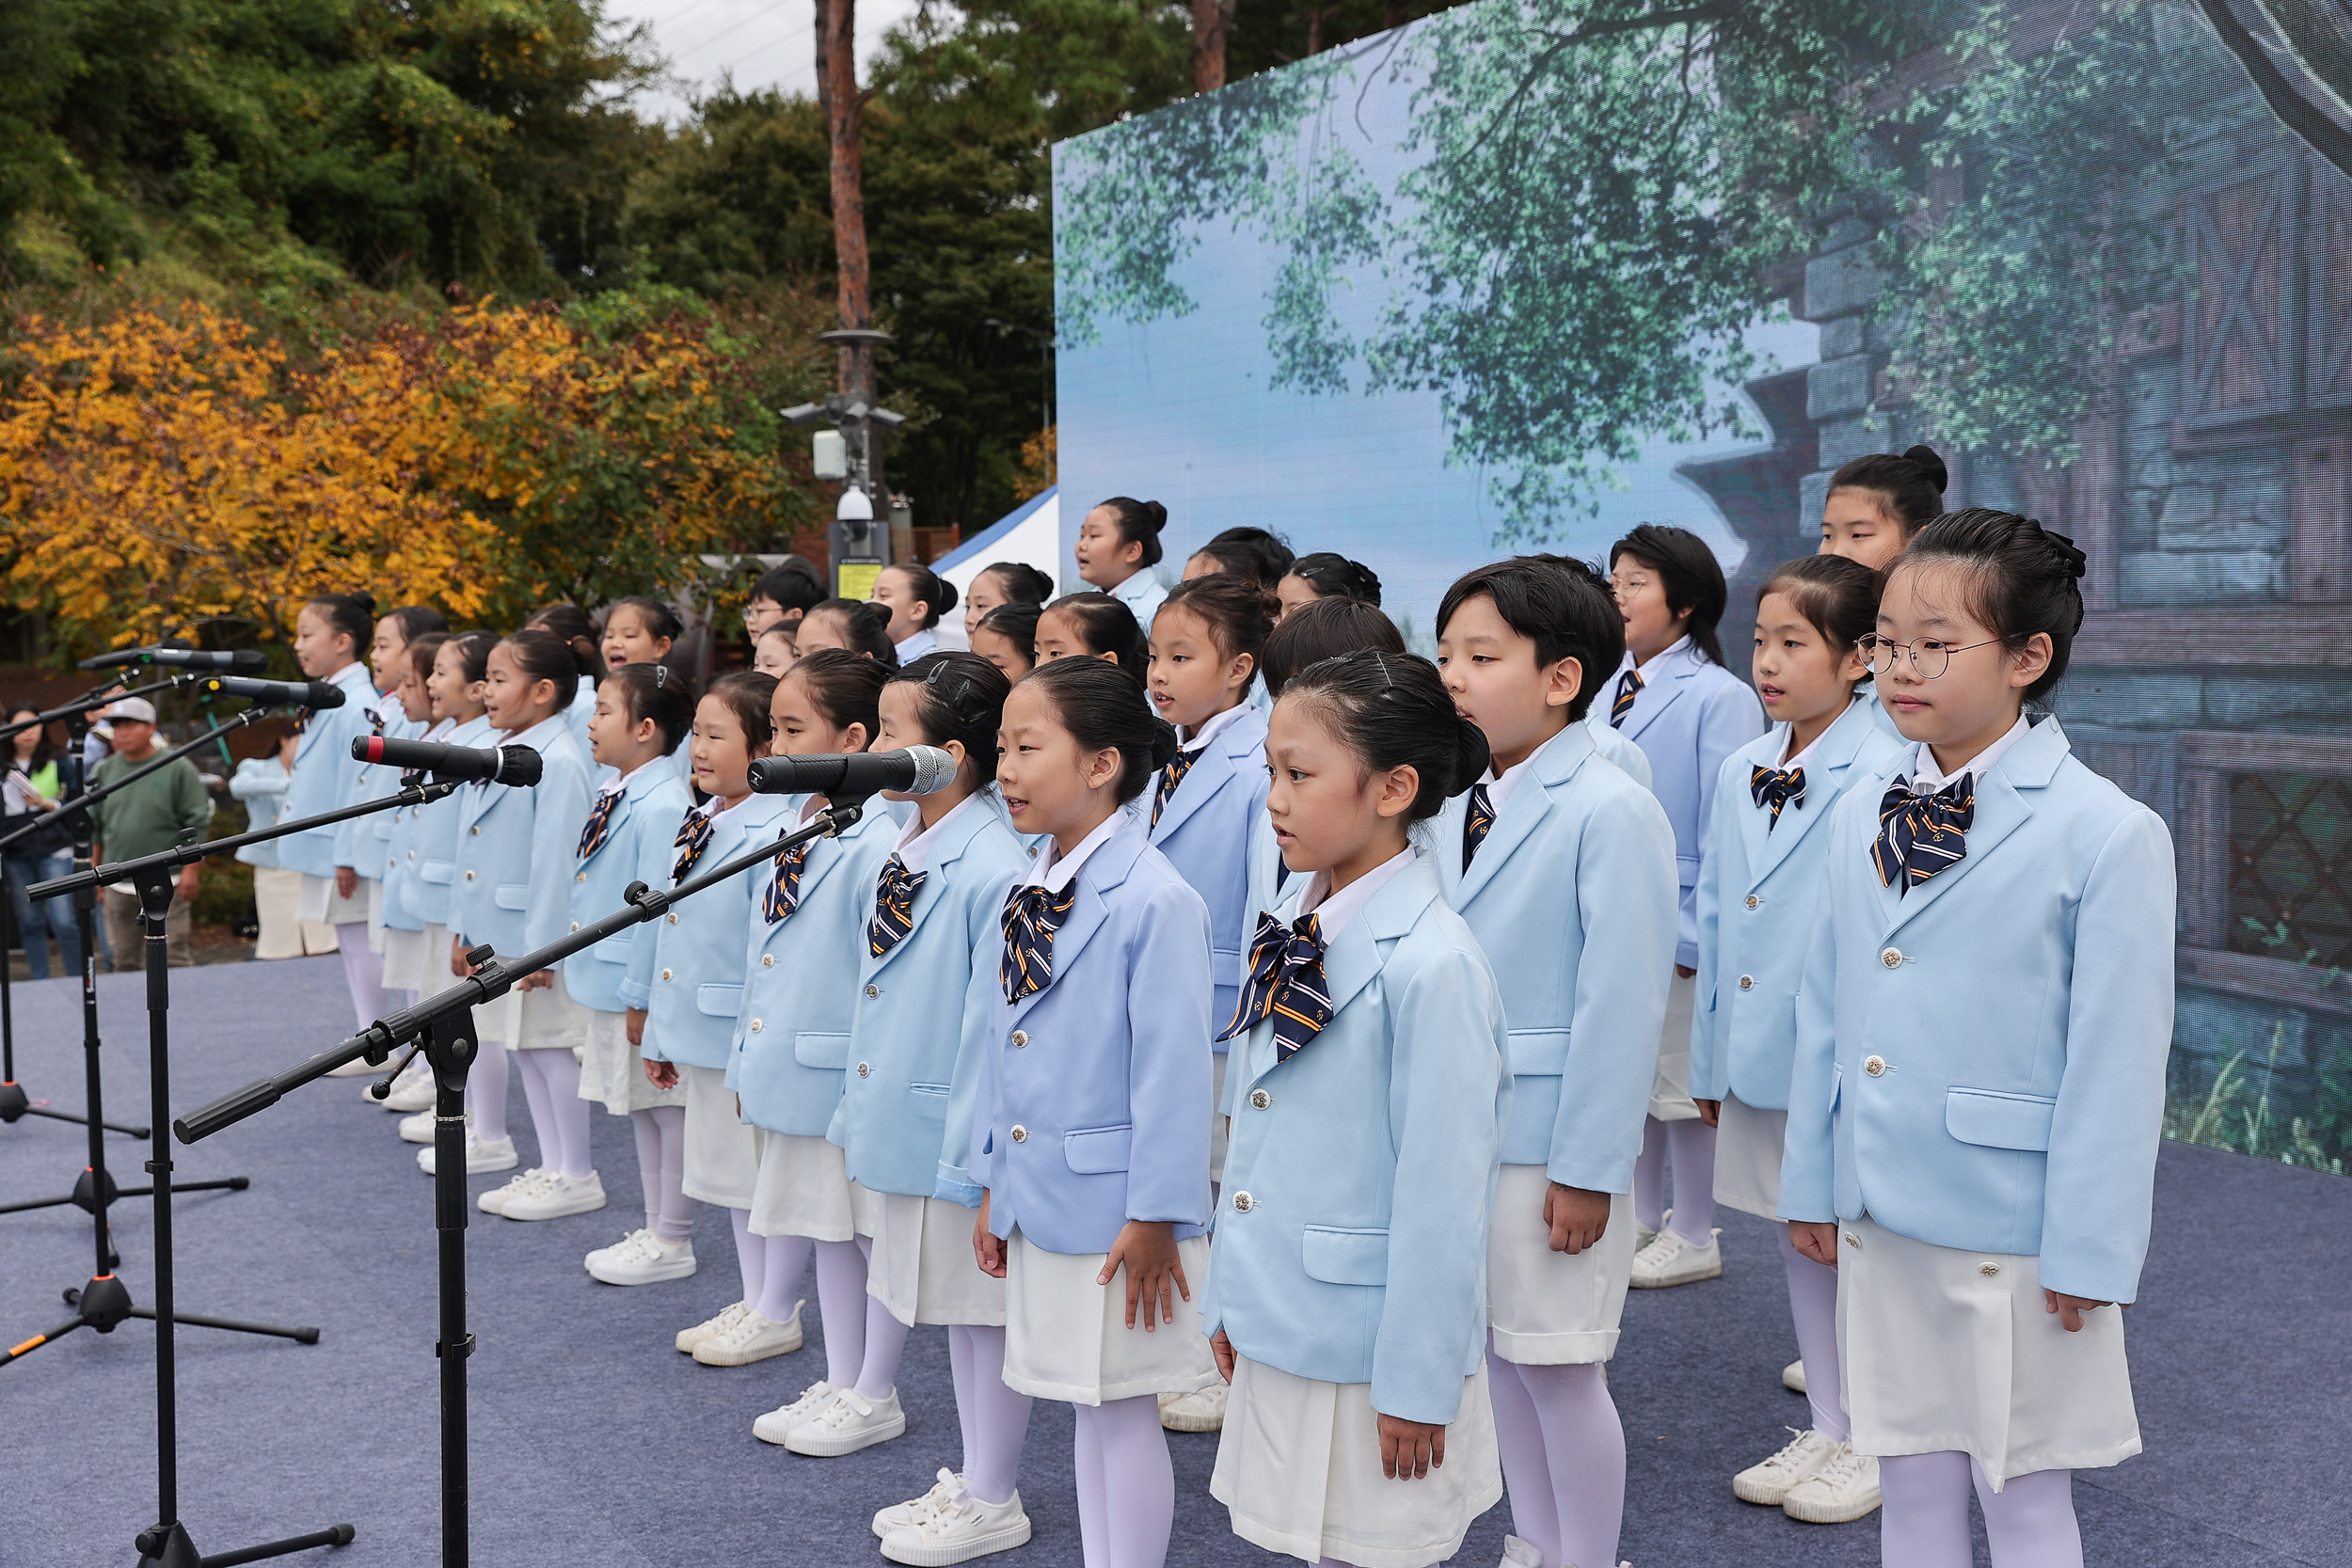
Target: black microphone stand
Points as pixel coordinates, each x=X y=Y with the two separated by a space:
x=444 y=1027
x=14 y=1102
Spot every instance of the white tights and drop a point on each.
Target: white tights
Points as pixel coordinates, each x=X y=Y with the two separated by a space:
x=1126 y=1486
x=995 y=1419
x=1562 y=1458
x=1813 y=1302
x=771 y=1267
x=363 y=970
x=485 y=1091
x=1692 y=1146
x=1924 y=1523
x=662 y=1170
x=559 y=1117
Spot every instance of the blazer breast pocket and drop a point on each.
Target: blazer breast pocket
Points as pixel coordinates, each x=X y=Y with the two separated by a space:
x=1097 y=1151
x=512 y=895
x=1996 y=1120
x=811 y=1049
x=1343 y=1257
x=719 y=1001
x=1539 y=1053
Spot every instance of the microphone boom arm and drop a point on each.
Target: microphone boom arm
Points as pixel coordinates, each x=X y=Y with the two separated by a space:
x=81 y=803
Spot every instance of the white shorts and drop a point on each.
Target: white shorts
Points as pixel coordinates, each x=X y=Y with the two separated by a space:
x=1546 y=1307
x=802 y=1188
x=322 y=905
x=1670 y=1090
x=613 y=1071
x=1747 y=1158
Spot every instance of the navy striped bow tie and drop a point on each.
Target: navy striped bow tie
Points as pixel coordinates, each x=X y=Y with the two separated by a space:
x=1171 y=777
x=784 y=888
x=375 y=721
x=894 y=906
x=1628 y=684
x=1776 y=787
x=1922 y=834
x=693 y=837
x=1477 y=824
x=599 y=818
x=1286 y=984
x=1032 y=915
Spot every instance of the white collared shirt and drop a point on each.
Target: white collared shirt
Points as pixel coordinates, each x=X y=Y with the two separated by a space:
x=918 y=642
x=1928 y=779
x=1501 y=785
x=1142 y=594
x=1657 y=657
x=915 y=841
x=619 y=780
x=1337 y=908
x=1055 y=872
x=1218 y=723
x=1811 y=746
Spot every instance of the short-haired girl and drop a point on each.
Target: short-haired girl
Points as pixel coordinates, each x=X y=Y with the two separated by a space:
x=792 y=1034
x=643 y=714
x=1347 y=1299
x=1091 y=1126
x=1250 y=553
x=1000 y=583
x=914 y=597
x=698 y=993
x=1673 y=699
x=1119 y=543
x=1007 y=637
x=1093 y=626
x=1324 y=574
x=850 y=624
x=330 y=633
x=514 y=892
x=1876 y=503
x=1767 y=852
x=1981 y=1033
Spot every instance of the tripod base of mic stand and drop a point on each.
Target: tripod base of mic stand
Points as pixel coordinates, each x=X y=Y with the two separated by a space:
x=15 y=1103
x=168 y=1547
x=104 y=1303
x=80 y=1197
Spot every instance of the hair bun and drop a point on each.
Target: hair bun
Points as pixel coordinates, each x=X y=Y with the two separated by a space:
x=1156 y=515
x=1472 y=756
x=947 y=596
x=1164 y=742
x=364 y=599
x=2070 y=557
x=1932 y=466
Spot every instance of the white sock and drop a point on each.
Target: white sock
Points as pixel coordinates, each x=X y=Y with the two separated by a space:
x=750 y=1256
x=559 y=1117
x=675 y=1221
x=841 y=1307
x=1813 y=1304
x=2030 y=1522
x=485 y=1091
x=1562 y=1450
x=786 y=1264
x=1126 y=1485
x=886 y=1344
x=1691 y=1146
x=1923 y=1515
x=995 y=1419
x=363 y=970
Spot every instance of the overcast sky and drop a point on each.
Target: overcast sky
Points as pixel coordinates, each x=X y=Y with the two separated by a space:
x=762 y=44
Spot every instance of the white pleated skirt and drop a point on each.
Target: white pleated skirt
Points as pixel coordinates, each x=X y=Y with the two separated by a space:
x=1747 y=1158
x=435 y=976
x=372 y=889
x=802 y=1188
x=1944 y=1349
x=1298 y=1468
x=1066 y=1338
x=547 y=1019
x=278 y=904
x=403 y=959
x=1548 y=1309
x=923 y=1269
x=1670 y=1091
x=721 y=1161
x=613 y=1071
x=322 y=905
x=1216 y=1122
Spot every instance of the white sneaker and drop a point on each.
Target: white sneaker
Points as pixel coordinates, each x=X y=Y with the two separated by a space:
x=497 y=1198
x=417 y=1129
x=750 y=1337
x=1792 y=1376
x=557 y=1196
x=412 y=1089
x=848 y=1422
x=960 y=1530
x=775 y=1425
x=689 y=1338
x=482 y=1156
x=1668 y=1260
x=1841 y=1492
x=1520 y=1554
x=1202 y=1410
x=1768 y=1482
x=641 y=1258
x=906 y=1515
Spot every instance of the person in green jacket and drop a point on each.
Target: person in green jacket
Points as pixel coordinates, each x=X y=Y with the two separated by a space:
x=141 y=819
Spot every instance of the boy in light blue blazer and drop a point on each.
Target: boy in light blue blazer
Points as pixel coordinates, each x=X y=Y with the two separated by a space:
x=1672 y=696
x=1981 y=1035
x=1563 y=866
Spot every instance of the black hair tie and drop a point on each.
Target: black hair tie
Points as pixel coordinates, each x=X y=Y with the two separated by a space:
x=2077 y=563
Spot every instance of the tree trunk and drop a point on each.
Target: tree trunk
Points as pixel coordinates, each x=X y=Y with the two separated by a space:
x=836 y=22
x=1212 y=19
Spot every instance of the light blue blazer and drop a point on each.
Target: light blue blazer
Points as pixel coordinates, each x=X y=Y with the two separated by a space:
x=617 y=973
x=576 y=717
x=1968 y=1073
x=1572 y=899
x=698 y=954
x=792 y=1039
x=1351 y=1243
x=1690 y=716
x=395 y=861
x=1204 y=832
x=363 y=843
x=1757 y=894
x=1614 y=747
x=514 y=848
x=322 y=773
x=920 y=1016
x=431 y=850
x=1107 y=1071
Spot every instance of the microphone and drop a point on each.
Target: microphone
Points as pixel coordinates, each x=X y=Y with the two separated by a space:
x=250 y=661
x=916 y=770
x=516 y=766
x=310 y=694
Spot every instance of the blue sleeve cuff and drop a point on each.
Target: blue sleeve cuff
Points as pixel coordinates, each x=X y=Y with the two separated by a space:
x=636 y=997
x=953 y=1190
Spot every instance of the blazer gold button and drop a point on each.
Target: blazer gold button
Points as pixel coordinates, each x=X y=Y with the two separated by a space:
x=476 y=832
x=1874 y=1065
x=1260 y=1098
x=665 y=975
x=575 y=925
x=1892 y=958
x=1243 y=1203
x=1754 y=900
x=756 y=1026
x=866 y=1070
x=1987 y=1270
x=469 y=876
x=671 y=918
x=1853 y=1240
x=1747 y=982
x=1020 y=1134
x=579 y=877
x=1020 y=1036
x=873 y=990
x=767 y=960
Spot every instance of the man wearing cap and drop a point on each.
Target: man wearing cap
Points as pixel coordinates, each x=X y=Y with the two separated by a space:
x=144 y=818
